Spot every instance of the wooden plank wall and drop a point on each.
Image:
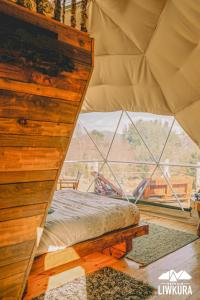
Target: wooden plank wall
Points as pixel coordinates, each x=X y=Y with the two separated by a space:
x=38 y=112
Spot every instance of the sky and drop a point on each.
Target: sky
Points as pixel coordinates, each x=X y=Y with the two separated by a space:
x=108 y=121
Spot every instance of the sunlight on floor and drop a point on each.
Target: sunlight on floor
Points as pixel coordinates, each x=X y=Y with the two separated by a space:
x=65 y=277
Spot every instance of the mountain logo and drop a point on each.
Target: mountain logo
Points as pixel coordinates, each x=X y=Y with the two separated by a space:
x=175 y=283
x=172 y=276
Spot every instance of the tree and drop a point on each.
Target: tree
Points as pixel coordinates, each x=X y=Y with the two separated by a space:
x=45 y=7
x=97 y=134
x=57 y=12
x=28 y=4
x=154 y=133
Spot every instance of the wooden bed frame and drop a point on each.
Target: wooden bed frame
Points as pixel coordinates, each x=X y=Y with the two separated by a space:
x=116 y=243
x=53 y=269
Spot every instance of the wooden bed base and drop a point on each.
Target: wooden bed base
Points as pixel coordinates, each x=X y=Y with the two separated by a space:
x=116 y=243
x=56 y=268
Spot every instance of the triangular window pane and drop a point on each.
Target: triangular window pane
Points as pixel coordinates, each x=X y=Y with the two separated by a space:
x=164 y=190
x=81 y=147
x=180 y=149
x=128 y=145
x=101 y=128
x=132 y=177
x=185 y=181
x=106 y=183
x=76 y=173
x=154 y=130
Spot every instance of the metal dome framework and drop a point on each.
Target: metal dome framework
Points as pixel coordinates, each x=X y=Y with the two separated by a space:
x=156 y=162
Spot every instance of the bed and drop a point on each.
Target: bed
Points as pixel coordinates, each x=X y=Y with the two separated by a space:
x=82 y=223
x=76 y=216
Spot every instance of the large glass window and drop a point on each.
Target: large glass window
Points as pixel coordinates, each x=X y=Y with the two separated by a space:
x=136 y=156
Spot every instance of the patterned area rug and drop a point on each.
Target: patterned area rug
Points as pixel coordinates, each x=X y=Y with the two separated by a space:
x=158 y=243
x=105 y=284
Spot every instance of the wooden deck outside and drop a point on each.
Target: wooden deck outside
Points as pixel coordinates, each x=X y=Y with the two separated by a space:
x=45 y=68
x=159 y=188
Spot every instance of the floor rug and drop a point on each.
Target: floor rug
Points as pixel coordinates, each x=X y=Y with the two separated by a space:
x=104 y=284
x=158 y=243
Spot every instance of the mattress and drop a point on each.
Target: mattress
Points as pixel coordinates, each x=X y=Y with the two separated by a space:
x=78 y=216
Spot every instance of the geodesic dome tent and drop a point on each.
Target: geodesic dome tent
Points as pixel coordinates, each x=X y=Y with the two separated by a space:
x=147 y=59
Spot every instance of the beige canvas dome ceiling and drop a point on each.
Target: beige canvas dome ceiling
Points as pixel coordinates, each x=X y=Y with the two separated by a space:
x=147 y=58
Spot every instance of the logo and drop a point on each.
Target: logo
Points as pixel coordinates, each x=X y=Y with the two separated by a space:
x=172 y=276
x=175 y=283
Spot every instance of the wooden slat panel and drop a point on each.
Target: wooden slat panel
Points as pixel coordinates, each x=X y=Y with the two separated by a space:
x=74 y=81
x=67 y=82
x=14 y=213
x=20 y=230
x=24 y=159
x=45 y=43
x=37 y=116
x=32 y=141
x=13 y=72
x=27 y=176
x=42 y=41
x=69 y=51
x=33 y=107
x=16 y=126
x=81 y=71
x=36 y=89
x=10 y=288
x=13 y=269
x=19 y=194
x=68 y=34
x=39 y=38
x=15 y=253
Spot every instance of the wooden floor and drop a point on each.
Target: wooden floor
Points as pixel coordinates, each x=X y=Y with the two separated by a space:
x=186 y=258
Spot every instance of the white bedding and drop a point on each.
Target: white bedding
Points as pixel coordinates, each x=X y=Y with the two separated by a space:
x=81 y=216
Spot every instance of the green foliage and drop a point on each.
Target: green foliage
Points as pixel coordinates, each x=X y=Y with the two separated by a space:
x=97 y=134
x=155 y=134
